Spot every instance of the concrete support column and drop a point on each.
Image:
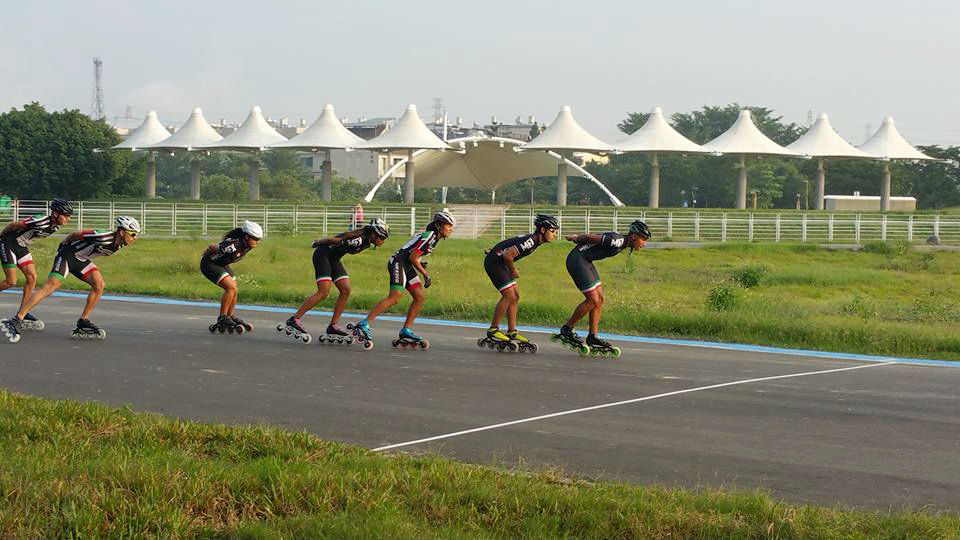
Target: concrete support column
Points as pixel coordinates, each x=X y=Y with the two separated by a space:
x=562 y=183
x=326 y=175
x=408 y=186
x=885 y=188
x=195 y=179
x=151 y=175
x=254 y=178
x=654 y=181
x=821 y=184
x=741 y=202
x=443 y=195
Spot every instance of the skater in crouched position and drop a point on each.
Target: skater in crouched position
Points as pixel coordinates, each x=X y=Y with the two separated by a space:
x=499 y=264
x=215 y=266
x=590 y=248
x=15 y=251
x=329 y=270
x=75 y=256
x=404 y=267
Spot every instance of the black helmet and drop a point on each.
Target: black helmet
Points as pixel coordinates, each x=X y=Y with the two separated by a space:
x=61 y=207
x=379 y=227
x=543 y=220
x=640 y=228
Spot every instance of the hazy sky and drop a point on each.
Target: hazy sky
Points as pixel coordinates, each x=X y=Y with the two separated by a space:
x=858 y=61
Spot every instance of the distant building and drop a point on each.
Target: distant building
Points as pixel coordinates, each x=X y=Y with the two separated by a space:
x=866 y=203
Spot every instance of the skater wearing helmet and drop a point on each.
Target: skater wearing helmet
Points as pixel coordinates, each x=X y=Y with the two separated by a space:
x=499 y=265
x=215 y=266
x=329 y=270
x=74 y=256
x=15 y=251
x=404 y=267
x=590 y=248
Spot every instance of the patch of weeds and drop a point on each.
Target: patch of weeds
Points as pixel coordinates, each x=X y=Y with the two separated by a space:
x=893 y=249
x=932 y=307
x=861 y=306
x=722 y=298
x=749 y=276
x=927 y=260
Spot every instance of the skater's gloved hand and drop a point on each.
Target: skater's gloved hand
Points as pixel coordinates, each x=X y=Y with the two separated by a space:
x=570 y=238
x=426 y=281
x=316 y=244
x=424 y=263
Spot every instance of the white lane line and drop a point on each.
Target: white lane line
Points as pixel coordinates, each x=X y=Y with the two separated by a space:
x=617 y=403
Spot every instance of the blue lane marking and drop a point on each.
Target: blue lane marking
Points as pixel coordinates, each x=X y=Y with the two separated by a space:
x=535 y=329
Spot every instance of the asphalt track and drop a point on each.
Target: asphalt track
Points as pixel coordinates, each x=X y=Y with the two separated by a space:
x=808 y=428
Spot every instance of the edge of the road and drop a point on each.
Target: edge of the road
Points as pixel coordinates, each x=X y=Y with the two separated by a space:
x=529 y=329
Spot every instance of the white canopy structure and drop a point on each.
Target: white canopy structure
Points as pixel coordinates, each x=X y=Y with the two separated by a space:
x=821 y=141
x=149 y=132
x=253 y=136
x=326 y=134
x=744 y=139
x=410 y=134
x=484 y=163
x=194 y=133
x=563 y=137
x=889 y=145
x=654 y=138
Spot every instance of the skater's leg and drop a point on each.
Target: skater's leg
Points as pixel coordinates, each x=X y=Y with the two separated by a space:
x=589 y=303
x=95 y=280
x=343 y=285
x=229 y=298
x=29 y=282
x=512 y=309
x=323 y=289
x=595 y=312
x=503 y=305
x=384 y=304
x=9 y=279
x=53 y=283
x=418 y=299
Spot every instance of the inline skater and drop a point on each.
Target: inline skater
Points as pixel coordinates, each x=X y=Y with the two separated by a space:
x=74 y=256
x=329 y=270
x=499 y=265
x=590 y=248
x=215 y=266
x=15 y=251
x=403 y=267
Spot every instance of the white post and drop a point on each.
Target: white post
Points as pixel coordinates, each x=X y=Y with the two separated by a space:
x=936 y=225
x=670 y=224
x=173 y=218
x=741 y=202
x=254 y=179
x=883 y=228
x=821 y=184
x=326 y=177
x=562 y=182
x=443 y=194
x=204 y=220
x=856 y=229
x=750 y=227
x=413 y=220
x=723 y=228
x=195 y=179
x=777 y=229
x=408 y=186
x=830 y=228
x=151 y=175
x=885 y=188
x=654 y=181
x=910 y=229
x=696 y=226
x=803 y=229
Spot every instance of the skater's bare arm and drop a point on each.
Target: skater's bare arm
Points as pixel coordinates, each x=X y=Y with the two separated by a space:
x=415 y=261
x=508 y=257
x=584 y=238
x=75 y=235
x=14 y=226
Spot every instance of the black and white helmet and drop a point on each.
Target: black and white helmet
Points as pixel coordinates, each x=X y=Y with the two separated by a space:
x=546 y=221
x=61 y=207
x=252 y=229
x=444 y=216
x=640 y=228
x=128 y=224
x=379 y=227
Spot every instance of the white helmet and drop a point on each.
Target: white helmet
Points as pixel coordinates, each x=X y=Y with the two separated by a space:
x=128 y=223
x=444 y=216
x=252 y=229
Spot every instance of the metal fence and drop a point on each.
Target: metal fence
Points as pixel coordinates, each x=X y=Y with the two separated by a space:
x=160 y=219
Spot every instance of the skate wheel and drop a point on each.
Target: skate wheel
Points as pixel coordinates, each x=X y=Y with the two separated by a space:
x=615 y=352
x=239 y=329
x=350 y=326
x=102 y=334
x=367 y=345
x=14 y=339
x=307 y=338
x=248 y=327
x=595 y=353
x=349 y=341
x=221 y=329
x=499 y=347
x=395 y=343
x=481 y=342
x=213 y=328
x=584 y=350
x=534 y=348
x=40 y=325
x=424 y=344
x=513 y=347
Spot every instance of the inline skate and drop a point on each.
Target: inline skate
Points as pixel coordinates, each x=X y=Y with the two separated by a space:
x=337 y=335
x=521 y=342
x=361 y=331
x=226 y=324
x=11 y=329
x=294 y=328
x=408 y=339
x=600 y=347
x=32 y=323
x=240 y=322
x=87 y=330
x=495 y=339
x=569 y=339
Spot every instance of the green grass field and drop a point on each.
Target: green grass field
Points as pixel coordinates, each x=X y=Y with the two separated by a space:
x=884 y=300
x=84 y=470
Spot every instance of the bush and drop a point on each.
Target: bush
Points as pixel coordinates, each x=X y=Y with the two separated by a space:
x=893 y=249
x=722 y=298
x=749 y=276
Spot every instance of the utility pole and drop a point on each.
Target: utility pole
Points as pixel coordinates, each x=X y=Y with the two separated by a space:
x=97 y=109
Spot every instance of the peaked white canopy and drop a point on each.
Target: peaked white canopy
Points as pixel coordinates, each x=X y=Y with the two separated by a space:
x=822 y=141
x=324 y=134
x=195 y=132
x=658 y=136
x=409 y=133
x=149 y=132
x=744 y=138
x=253 y=135
x=887 y=143
x=566 y=135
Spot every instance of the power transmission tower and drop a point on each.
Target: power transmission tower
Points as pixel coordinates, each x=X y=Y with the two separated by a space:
x=437 y=110
x=809 y=118
x=97 y=111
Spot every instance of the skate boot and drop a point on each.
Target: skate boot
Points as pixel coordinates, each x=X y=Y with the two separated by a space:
x=31 y=323
x=569 y=339
x=408 y=339
x=337 y=335
x=295 y=329
x=87 y=330
x=600 y=347
x=522 y=342
x=11 y=329
x=225 y=324
x=361 y=331
x=496 y=339
x=240 y=322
